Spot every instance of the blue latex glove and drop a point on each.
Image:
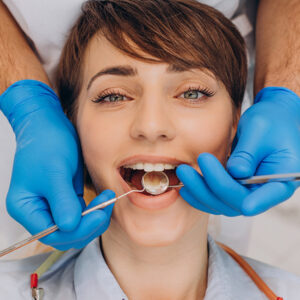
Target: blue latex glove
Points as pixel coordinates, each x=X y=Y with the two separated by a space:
x=47 y=178
x=267 y=142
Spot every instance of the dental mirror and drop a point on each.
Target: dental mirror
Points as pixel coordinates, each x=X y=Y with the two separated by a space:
x=156 y=182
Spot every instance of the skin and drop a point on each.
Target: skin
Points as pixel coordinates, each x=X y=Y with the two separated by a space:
x=17 y=60
x=149 y=251
x=277 y=45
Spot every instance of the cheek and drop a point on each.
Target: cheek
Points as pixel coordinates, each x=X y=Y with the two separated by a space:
x=209 y=132
x=98 y=136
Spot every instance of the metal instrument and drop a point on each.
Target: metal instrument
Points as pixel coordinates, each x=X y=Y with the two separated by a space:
x=271 y=178
x=154 y=183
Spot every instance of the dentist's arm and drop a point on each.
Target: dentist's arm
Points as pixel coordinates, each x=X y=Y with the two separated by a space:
x=47 y=184
x=17 y=60
x=268 y=136
x=278 y=45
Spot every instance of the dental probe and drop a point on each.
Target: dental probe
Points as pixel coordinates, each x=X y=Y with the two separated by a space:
x=271 y=178
x=163 y=184
x=55 y=227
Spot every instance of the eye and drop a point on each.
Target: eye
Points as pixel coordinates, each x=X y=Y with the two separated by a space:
x=192 y=94
x=195 y=95
x=114 y=98
x=110 y=97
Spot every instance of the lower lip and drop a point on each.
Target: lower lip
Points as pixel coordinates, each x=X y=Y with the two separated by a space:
x=150 y=202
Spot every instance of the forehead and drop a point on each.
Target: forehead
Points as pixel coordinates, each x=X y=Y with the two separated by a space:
x=101 y=57
x=101 y=49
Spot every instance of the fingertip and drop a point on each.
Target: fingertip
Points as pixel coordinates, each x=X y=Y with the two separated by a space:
x=211 y=169
x=182 y=170
x=239 y=167
x=249 y=210
x=205 y=156
x=206 y=160
x=183 y=167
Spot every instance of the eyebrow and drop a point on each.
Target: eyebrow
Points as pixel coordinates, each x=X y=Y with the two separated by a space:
x=129 y=71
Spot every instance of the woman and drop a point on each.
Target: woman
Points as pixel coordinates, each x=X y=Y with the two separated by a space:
x=149 y=85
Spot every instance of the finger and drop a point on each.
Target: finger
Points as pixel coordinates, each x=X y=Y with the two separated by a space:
x=249 y=150
x=226 y=189
x=184 y=193
x=31 y=211
x=265 y=197
x=91 y=225
x=65 y=205
x=86 y=229
x=197 y=187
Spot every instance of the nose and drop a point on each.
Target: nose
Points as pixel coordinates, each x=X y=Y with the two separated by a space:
x=153 y=120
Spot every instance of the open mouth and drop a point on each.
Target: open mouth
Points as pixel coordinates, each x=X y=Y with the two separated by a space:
x=133 y=177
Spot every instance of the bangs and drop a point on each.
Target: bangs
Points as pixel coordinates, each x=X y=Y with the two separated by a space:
x=183 y=33
x=175 y=32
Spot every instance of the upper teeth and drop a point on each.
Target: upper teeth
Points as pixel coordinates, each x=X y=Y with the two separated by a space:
x=148 y=167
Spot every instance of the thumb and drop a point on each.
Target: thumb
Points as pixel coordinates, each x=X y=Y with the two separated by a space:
x=65 y=205
x=249 y=151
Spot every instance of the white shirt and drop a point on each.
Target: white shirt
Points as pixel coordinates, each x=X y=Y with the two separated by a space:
x=85 y=275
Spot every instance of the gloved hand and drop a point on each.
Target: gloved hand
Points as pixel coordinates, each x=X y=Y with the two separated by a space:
x=267 y=142
x=47 y=179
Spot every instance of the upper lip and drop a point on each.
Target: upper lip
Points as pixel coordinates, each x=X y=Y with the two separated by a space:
x=149 y=159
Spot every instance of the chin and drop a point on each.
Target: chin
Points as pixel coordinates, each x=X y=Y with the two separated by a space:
x=157 y=229
x=155 y=237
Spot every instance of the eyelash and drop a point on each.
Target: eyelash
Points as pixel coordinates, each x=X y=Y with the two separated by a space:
x=205 y=91
x=100 y=98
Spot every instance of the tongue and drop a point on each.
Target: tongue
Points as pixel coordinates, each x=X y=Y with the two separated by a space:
x=136 y=179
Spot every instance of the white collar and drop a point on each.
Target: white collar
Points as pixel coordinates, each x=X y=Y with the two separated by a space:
x=226 y=280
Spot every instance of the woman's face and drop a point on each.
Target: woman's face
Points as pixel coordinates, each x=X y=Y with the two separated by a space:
x=150 y=116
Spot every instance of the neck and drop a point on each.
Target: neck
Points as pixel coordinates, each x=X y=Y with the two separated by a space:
x=177 y=271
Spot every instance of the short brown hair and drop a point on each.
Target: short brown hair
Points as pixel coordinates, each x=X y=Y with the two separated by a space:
x=184 y=33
